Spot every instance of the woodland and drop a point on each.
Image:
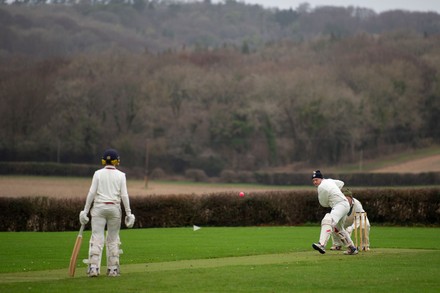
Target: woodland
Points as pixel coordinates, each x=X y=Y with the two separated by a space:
x=197 y=85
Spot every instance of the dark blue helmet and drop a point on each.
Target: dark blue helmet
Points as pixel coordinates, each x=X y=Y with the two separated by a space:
x=317 y=174
x=110 y=157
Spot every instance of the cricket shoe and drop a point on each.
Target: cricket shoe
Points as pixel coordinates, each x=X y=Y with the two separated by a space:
x=351 y=251
x=113 y=272
x=335 y=247
x=93 y=271
x=319 y=247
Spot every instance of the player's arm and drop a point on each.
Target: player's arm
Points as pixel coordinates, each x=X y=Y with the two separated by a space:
x=129 y=218
x=339 y=183
x=83 y=219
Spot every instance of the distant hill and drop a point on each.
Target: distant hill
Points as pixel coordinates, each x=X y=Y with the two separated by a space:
x=157 y=26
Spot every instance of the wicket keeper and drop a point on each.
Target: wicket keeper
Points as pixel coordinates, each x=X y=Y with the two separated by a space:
x=356 y=209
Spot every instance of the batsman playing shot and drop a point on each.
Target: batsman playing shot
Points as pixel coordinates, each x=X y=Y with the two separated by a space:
x=108 y=189
x=356 y=219
x=330 y=195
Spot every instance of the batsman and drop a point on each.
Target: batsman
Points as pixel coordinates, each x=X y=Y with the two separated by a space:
x=108 y=189
x=330 y=195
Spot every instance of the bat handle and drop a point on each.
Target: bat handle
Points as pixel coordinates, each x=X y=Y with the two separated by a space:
x=81 y=230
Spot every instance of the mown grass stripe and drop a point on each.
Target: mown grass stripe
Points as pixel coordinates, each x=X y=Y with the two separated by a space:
x=264 y=259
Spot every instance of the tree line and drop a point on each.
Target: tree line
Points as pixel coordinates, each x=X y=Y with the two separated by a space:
x=66 y=27
x=324 y=100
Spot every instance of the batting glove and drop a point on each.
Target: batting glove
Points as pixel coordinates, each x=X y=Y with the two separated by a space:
x=129 y=221
x=83 y=219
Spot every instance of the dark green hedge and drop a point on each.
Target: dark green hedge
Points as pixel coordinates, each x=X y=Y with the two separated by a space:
x=415 y=206
x=46 y=169
x=402 y=206
x=39 y=214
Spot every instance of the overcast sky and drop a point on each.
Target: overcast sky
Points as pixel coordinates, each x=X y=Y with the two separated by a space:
x=376 y=5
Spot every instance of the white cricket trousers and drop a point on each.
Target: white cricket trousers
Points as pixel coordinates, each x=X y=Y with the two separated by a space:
x=334 y=222
x=102 y=215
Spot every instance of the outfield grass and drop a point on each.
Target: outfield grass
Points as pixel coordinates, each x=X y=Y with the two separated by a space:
x=242 y=259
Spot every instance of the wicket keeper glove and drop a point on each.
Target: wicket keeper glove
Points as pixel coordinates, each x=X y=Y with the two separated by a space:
x=83 y=219
x=129 y=220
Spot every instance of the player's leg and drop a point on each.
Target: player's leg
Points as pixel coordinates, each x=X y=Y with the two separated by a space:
x=113 y=242
x=96 y=243
x=339 y=215
x=327 y=224
x=336 y=244
x=344 y=237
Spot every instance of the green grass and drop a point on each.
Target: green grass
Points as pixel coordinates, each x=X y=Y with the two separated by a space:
x=242 y=259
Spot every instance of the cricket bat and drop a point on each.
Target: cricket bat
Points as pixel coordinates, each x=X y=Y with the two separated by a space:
x=75 y=252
